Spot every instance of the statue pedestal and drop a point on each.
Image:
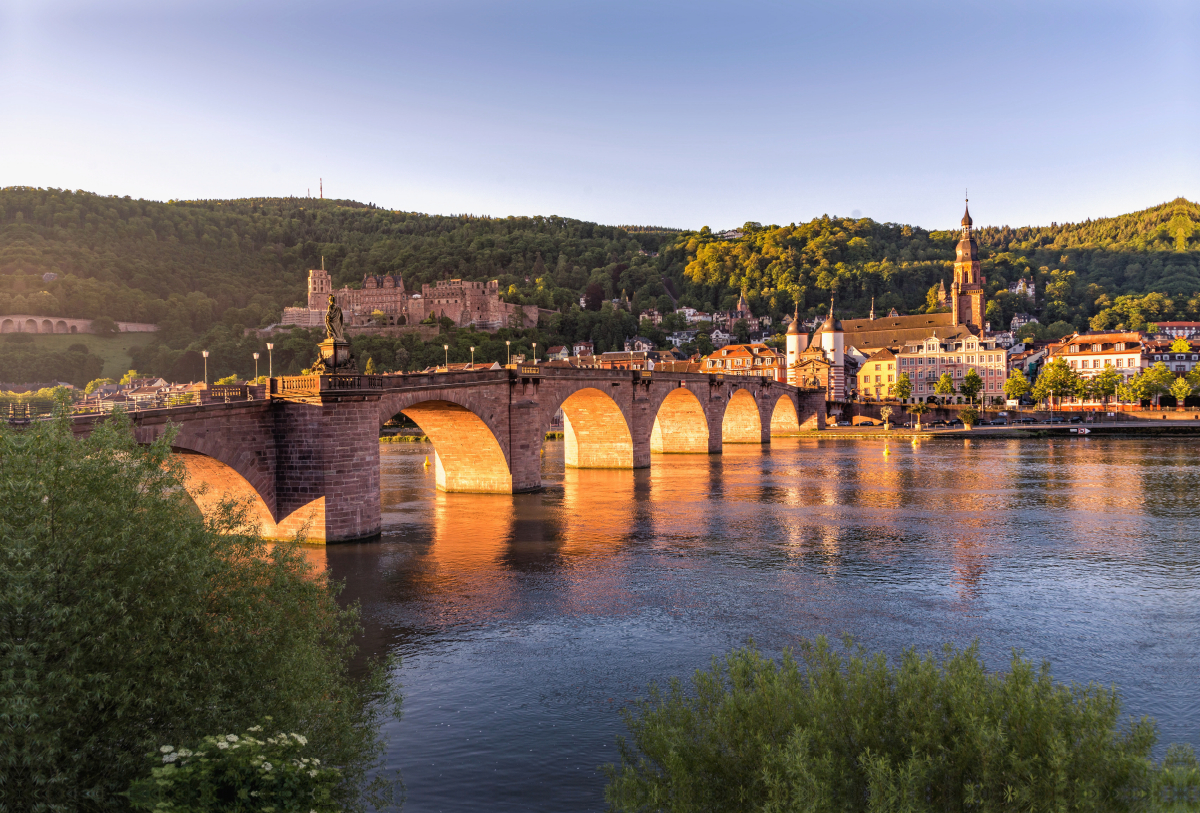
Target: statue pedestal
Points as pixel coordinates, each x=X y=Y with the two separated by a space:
x=335 y=357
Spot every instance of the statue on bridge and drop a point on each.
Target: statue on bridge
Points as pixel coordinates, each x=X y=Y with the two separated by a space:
x=335 y=328
x=335 y=355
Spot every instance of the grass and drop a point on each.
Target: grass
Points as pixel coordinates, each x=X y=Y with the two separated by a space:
x=114 y=351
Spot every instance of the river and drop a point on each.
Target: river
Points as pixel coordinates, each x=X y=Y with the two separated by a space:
x=525 y=623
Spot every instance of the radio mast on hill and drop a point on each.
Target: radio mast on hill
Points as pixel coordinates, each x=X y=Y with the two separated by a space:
x=321 y=181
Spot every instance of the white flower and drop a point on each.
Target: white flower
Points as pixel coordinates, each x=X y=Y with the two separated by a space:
x=313 y=772
x=300 y=739
x=170 y=757
x=266 y=766
x=231 y=737
x=166 y=749
x=222 y=745
x=316 y=761
x=255 y=728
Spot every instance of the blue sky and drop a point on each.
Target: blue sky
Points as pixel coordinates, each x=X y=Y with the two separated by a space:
x=672 y=114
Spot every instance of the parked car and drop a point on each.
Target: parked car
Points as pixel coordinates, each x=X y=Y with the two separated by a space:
x=1075 y=419
x=954 y=422
x=1025 y=420
x=934 y=424
x=1057 y=419
x=867 y=423
x=844 y=423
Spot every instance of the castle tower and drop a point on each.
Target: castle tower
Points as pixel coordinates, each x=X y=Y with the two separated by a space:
x=320 y=286
x=966 y=293
x=795 y=343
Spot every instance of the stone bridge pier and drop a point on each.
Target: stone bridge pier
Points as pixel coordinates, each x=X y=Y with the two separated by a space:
x=307 y=458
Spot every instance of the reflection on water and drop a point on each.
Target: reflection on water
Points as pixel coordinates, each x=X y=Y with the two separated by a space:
x=525 y=622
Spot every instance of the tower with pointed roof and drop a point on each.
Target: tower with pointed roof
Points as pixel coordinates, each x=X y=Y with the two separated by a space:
x=795 y=343
x=966 y=293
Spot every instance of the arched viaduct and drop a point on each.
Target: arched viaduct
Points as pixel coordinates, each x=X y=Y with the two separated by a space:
x=308 y=457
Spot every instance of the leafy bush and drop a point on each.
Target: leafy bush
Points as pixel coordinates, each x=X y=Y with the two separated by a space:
x=969 y=416
x=127 y=621
x=229 y=773
x=848 y=733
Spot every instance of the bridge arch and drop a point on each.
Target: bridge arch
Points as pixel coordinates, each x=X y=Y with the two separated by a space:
x=741 y=422
x=30 y=326
x=47 y=326
x=596 y=431
x=8 y=326
x=467 y=455
x=680 y=426
x=210 y=482
x=785 y=418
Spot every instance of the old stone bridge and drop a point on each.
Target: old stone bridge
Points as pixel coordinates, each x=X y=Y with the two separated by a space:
x=308 y=455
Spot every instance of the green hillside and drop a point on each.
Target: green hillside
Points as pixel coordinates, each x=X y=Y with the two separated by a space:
x=204 y=270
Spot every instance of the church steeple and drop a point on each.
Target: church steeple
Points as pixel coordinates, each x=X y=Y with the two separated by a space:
x=966 y=293
x=872 y=309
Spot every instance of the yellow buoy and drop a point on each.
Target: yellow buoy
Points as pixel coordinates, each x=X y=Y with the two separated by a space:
x=426 y=461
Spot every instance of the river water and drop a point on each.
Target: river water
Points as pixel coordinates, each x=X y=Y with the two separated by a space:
x=526 y=622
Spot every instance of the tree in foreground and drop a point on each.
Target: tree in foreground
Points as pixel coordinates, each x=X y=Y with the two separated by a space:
x=944 y=386
x=918 y=409
x=1180 y=390
x=904 y=388
x=1056 y=380
x=833 y=732
x=886 y=414
x=1016 y=385
x=1104 y=385
x=129 y=623
x=972 y=385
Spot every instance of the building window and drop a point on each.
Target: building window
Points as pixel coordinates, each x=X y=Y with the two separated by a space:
x=891 y=378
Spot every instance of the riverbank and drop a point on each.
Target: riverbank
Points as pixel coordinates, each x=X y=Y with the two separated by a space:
x=1139 y=429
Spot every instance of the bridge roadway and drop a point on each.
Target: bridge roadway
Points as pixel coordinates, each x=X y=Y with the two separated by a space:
x=308 y=456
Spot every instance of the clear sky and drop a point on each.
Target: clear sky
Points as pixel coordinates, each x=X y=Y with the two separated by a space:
x=675 y=114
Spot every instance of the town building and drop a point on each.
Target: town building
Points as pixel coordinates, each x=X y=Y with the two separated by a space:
x=954 y=351
x=1154 y=351
x=747 y=359
x=1178 y=330
x=1023 y=287
x=582 y=348
x=1089 y=353
x=682 y=337
x=877 y=375
x=629 y=360
x=1019 y=321
x=638 y=343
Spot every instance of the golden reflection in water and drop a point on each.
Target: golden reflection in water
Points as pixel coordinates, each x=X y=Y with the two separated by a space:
x=674 y=481
x=598 y=509
x=471 y=532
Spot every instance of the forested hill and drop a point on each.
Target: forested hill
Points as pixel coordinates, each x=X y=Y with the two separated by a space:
x=196 y=266
x=1083 y=271
x=189 y=264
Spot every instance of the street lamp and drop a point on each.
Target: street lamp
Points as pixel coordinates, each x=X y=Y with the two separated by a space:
x=535 y=352
x=446 y=347
x=256 y=368
x=472 y=358
x=205 y=354
x=507 y=352
x=270 y=360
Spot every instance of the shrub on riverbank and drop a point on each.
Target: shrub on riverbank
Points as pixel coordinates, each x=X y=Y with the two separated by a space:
x=833 y=732
x=128 y=621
